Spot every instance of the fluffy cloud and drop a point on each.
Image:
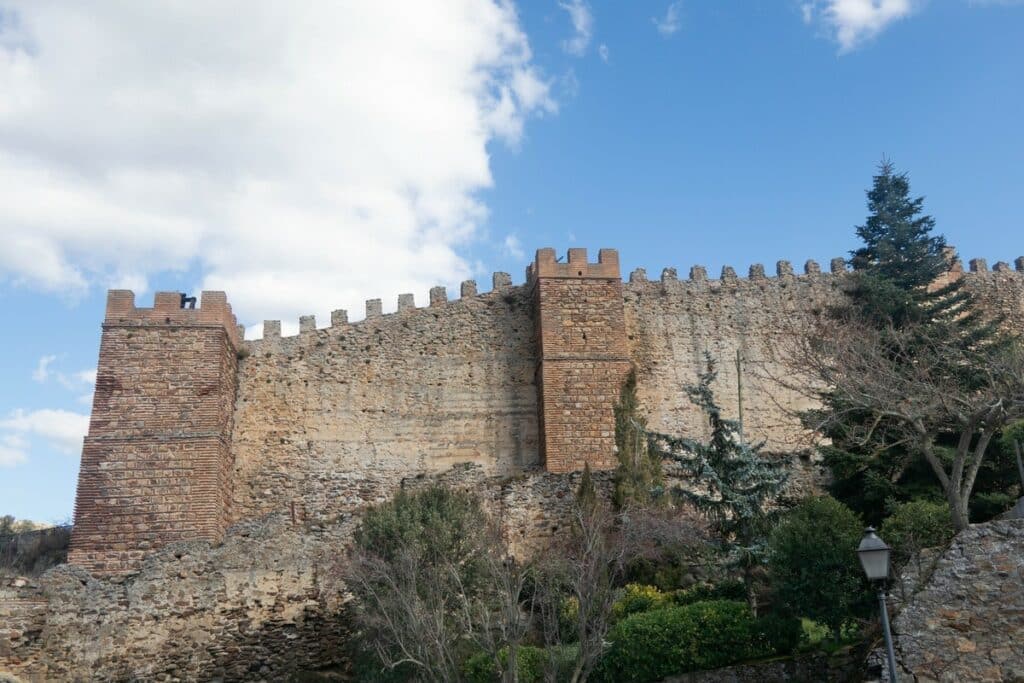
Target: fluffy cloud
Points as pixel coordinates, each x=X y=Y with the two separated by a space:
x=671 y=22
x=582 y=25
x=13 y=450
x=302 y=157
x=851 y=22
x=61 y=428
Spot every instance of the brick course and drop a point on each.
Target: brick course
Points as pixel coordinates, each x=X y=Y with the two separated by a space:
x=156 y=462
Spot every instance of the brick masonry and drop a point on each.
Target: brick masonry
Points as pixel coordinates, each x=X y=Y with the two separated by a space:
x=156 y=462
x=583 y=359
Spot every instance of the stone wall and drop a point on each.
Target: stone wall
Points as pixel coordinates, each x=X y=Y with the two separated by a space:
x=333 y=418
x=265 y=604
x=260 y=606
x=967 y=623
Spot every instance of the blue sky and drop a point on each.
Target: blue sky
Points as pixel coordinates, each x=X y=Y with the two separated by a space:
x=305 y=161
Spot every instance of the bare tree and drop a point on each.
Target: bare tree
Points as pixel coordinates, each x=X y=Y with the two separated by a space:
x=585 y=568
x=425 y=610
x=918 y=384
x=588 y=566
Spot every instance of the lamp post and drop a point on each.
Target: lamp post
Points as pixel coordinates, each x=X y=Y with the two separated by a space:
x=874 y=557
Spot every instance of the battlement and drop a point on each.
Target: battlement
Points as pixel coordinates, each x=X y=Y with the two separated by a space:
x=546 y=264
x=213 y=310
x=784 y=271
x=438 y=298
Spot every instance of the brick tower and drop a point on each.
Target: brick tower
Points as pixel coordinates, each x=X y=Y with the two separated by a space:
x=582 y=357
x=156 y=462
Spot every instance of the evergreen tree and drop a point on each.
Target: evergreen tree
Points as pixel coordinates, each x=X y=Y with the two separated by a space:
x=734 y=479
x=897 y=276
x=638 y=478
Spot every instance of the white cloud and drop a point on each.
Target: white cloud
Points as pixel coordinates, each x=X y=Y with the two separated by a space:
x=13 y=450
x=61 y=428
x=512 y=247
x=582 y=25
x=603 y=51
x=671 y=22
x=42 y=371
x=86 y=376
x=302 y=157
x=852 y=22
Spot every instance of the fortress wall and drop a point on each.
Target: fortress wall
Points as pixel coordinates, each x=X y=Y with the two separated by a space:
x=671 y=323
x=333 y=418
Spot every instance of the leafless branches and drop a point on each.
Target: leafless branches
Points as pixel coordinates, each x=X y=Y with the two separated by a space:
x=916 y=384
x=427 y=613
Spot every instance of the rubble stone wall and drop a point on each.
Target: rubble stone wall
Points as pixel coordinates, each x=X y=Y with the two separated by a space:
x=967 y=623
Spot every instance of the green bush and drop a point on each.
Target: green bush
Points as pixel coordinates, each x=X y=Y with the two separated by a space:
x=813 y=563
x=724 y=590
x=704 y=635
x=638 y=598
x=985 y=506
x=779 y=634
x=916 y=525
x=531 y=662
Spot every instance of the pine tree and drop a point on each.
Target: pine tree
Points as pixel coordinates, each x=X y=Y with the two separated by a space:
x=734 y=480
x=895 y=275
x=897 y=267
x=638 y=478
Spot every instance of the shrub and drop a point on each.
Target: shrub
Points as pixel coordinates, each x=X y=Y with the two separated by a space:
x=639 y=598
x=704 y=635
x=779 y=634
x=985 y=506
x=724 y=590
x=530 y=663
x=916 y=525
x=813 y=563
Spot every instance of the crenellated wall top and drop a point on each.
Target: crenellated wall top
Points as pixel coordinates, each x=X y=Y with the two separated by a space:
x=212 y=309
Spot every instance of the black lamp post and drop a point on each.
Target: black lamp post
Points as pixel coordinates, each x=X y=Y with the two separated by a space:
x=874 y=557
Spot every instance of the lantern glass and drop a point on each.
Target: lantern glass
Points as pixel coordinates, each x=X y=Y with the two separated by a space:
x=874 y=556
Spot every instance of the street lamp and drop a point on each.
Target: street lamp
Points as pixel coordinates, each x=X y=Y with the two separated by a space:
x=874 y=557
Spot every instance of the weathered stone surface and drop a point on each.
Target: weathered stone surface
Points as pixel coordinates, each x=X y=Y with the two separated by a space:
x=583 y=359
x=263 y=605
x=967 y=623
x=810 y=668
x=260 y=606
x=155 y=465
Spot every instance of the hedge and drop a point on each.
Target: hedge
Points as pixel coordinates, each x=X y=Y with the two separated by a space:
x=704 y=635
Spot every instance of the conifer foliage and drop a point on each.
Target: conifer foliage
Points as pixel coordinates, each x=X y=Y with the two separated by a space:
x=910 y=369
x=638 y=478
x=734 y=481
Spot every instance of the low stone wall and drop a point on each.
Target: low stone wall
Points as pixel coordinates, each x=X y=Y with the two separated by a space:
x=263 y=605
x=967 y=623
x=257 y=607
x=810 y=668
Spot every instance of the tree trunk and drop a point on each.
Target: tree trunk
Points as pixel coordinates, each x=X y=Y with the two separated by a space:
x=577 y=674
x=957 y=509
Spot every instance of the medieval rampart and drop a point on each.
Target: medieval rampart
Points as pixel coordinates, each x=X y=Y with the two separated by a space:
x=515 y=379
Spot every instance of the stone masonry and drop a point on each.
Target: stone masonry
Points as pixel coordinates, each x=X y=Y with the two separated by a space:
x=194 y=428
x=220 y=477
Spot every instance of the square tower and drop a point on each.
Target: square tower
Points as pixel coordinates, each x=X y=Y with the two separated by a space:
x=156 y=462
x=582 y=357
